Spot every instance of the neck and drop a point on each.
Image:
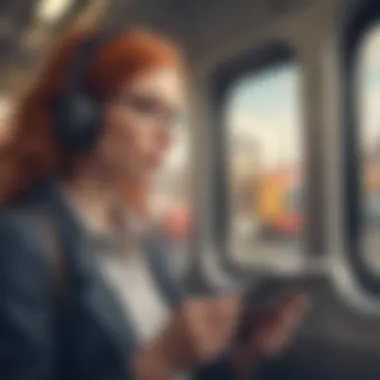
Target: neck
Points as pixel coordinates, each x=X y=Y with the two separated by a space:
x=98 y=198
x=94 y=196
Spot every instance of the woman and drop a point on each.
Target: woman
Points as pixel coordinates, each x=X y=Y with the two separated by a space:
x=99 y=314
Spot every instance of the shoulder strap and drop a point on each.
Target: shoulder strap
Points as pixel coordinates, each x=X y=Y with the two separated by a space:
x=56 y=254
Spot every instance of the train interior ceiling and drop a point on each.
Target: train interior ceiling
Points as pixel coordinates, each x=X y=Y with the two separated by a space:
x=279 y=162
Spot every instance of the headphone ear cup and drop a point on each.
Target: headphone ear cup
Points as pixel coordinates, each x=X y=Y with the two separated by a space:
x=77 y=121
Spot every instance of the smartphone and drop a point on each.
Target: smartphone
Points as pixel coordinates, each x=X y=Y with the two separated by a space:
x=269 y=289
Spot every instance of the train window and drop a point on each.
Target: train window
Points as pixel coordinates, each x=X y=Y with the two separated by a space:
x=171 y=195
x=368 y=84
x=265 y=159
x=6 y=109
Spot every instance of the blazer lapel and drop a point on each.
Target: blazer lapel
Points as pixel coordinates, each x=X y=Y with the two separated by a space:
x=156 y=253
x=87 y=284
x=103 y=303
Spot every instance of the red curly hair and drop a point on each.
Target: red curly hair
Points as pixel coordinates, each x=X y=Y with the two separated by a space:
x=33 y=152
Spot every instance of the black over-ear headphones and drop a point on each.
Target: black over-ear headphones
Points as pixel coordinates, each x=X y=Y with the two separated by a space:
x=76 y=115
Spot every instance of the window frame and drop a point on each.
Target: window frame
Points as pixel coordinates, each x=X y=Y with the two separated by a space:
x=261 y=59
x=363 y=16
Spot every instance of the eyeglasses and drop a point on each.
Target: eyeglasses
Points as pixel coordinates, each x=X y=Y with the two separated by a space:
x=149 y=108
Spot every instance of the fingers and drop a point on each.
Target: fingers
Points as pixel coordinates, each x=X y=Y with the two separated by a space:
x=297 y=302
x=211 y=323
x=274 y=333
x=225 y=314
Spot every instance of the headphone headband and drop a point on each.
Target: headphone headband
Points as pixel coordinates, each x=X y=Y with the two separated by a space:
x=87 y=49
x=76 y=114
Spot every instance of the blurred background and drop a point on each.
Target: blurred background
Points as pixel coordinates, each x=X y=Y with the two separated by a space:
x=279 y=159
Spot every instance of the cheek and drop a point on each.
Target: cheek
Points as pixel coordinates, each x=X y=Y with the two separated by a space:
x=121 y=134
x=128 y=140
x=143 y=144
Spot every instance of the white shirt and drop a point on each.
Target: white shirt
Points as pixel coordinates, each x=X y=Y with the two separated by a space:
x=128 y=273
x=131 y=279
x=133 y=282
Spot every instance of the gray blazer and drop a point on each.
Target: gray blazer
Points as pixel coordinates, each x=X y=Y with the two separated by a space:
x=81 y=333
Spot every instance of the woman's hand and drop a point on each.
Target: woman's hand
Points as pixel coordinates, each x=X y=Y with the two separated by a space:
x=274 y=332
x=197 y=335
x=269 y=334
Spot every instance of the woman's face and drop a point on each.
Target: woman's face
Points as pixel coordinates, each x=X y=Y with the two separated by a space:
x=139 y=122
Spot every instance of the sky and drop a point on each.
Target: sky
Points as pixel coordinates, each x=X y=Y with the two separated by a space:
x=267 y=108
x=368 y=77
